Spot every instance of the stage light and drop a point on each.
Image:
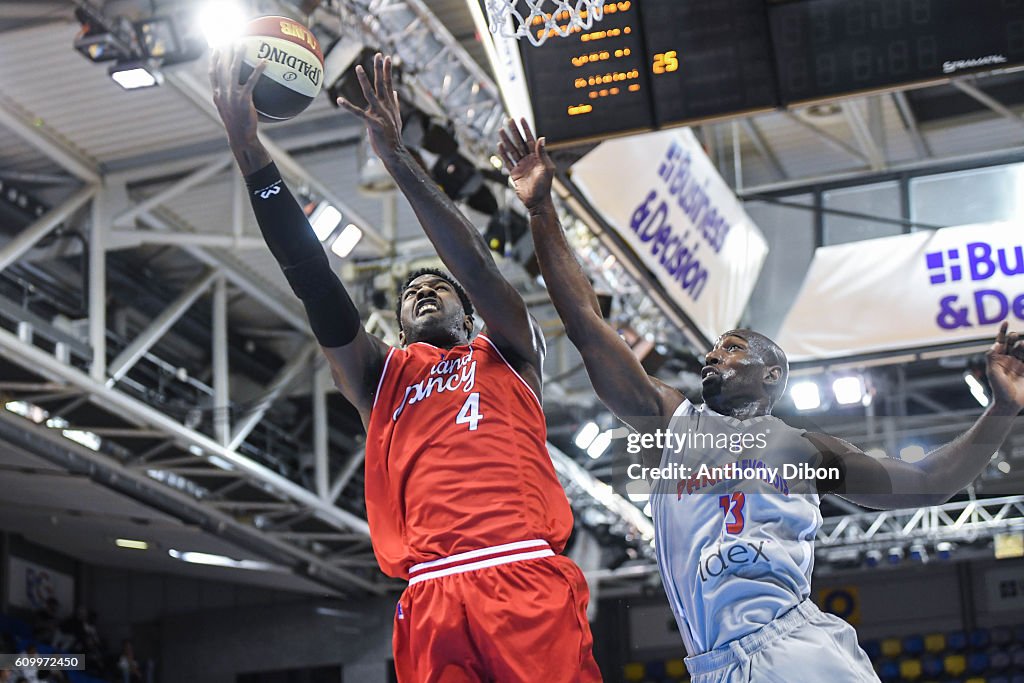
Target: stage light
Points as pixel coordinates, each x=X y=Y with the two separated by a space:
x=130 y=544
x=873 y=558
x=944 y=550
x=136 y=74
x=919 y=553
x=977 y=389
x=1003 y=467
x=221 y=22
x=848 y=390
x=586 y=435
x=325 y=219
x=347 y=240
x=600 y=444
x=912 y=453
x=638 y=497
x=496 y=162
x=895 y=555
x=805 y=396
x=221 y=561
x=876 y=453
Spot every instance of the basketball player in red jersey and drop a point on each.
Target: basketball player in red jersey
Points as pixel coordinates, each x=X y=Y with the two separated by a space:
x=461 y=496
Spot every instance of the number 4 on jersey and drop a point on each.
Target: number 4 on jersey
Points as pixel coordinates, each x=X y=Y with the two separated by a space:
x=470 y=413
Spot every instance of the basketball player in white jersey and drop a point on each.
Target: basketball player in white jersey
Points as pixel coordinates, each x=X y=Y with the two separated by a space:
x=735 y=555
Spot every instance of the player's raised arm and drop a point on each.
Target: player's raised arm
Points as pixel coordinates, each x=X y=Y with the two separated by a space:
x=889 y=483
x=616 y=373
x=356 y=358
x=457 y=241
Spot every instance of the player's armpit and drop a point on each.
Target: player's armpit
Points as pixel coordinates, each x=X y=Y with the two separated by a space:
x=356 y=369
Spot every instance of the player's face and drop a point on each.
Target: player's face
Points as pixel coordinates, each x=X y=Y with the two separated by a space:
x=731 y=368
x=432 y=312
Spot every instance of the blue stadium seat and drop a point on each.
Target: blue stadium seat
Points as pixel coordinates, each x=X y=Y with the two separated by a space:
x=932 y=665
x=1017 y=678
x=999 y=679
x=977 y=662
x=873 y=648
x=1018 y=633
x=1000 y=661
x=1017 y=658
x=1002 y=636
x=14 y=626
x=980 y=639
x=889 y=670
x=656 y=669
x=956 y=641
x=913 y=645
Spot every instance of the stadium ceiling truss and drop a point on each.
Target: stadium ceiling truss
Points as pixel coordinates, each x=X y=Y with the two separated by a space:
x=88 y=415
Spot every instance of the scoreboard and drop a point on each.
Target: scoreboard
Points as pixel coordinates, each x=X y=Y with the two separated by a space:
x=650 y=64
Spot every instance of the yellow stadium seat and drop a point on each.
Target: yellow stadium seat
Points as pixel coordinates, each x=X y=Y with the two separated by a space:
x=976 y=679
x=634 y=671
x=891 y=647
x=936 y=642
x=955 y=664
x=675 y=668
x=910 y=669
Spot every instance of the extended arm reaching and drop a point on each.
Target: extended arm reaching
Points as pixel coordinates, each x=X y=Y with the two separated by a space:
x=889 y=483
x=457 y=241
x=616 y=373
x=356 y=358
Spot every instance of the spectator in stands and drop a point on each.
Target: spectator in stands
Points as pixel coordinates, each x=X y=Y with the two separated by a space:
x=46 y=622
x=129 y=668
x=84 y=637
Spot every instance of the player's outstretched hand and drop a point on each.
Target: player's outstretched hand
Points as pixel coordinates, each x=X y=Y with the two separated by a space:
x=528 y=163
x=382 y=116
x=1006 y=370
x=234 y=99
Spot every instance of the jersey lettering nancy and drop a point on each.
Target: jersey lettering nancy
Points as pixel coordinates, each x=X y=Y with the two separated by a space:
x=734 y=554
x=456 y=458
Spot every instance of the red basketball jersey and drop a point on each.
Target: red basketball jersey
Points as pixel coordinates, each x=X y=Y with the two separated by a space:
x=456 y=458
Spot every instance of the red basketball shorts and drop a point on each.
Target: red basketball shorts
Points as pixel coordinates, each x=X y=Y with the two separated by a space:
x=511 y=613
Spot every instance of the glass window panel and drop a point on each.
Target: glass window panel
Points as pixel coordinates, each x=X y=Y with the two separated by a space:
x=790 y=236
x=982 y=195
x=881 y=200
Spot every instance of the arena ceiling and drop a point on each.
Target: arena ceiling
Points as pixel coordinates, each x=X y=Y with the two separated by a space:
x=159 y=159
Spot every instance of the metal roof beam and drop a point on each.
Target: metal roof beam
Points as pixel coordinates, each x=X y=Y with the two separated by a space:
x=42 y=226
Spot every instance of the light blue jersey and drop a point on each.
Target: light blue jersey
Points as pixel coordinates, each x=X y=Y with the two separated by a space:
x=735 y=553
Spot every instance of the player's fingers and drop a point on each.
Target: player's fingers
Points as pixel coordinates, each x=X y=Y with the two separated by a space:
x=388 y=80
x=1001 y=337
x=530 y=140
x=510 y=147
x=364 y=83
x=349 y=107
x=254 y=78
x=516 y=138
x=235 y=71
x=378 y=78
x=503 y=153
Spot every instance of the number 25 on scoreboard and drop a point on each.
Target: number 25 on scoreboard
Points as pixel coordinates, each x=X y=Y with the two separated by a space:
x=665 y=62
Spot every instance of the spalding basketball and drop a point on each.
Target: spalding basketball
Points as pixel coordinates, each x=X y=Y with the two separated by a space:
x=295 y=66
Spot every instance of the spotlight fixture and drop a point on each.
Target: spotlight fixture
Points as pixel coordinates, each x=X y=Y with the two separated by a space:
x=873 y=558
x=324 y=219
x=977 y=389
x=221 y=22
x=912 y=453
x=600 y=445
x=347 y=240
x=135 y=74
x=848 y=390
x=919 y=553
x=943 y=550
x=895 y=555
x=806 y=395
x=586 y=435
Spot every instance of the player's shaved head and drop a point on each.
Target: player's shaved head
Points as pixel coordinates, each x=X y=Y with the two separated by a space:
x=770 y=353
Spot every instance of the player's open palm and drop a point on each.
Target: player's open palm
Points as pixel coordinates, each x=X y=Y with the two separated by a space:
x=1006 y=369
x=382 y=115
x=234 y=99
x=528 y=163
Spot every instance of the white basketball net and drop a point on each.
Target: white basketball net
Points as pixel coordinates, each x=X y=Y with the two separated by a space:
x=538 y=20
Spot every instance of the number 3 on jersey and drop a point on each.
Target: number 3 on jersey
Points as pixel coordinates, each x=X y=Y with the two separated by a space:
x=733 y=504
x=470 y=413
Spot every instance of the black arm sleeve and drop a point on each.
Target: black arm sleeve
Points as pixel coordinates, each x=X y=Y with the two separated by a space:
x=332 y=315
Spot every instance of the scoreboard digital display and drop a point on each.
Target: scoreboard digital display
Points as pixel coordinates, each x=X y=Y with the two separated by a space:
x=650 y=64
x=832 y=47
x=708 y=59
x=593 y=83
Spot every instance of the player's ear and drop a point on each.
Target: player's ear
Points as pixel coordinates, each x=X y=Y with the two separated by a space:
x=468 y=324
x=401 y=337
x=772 y=375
